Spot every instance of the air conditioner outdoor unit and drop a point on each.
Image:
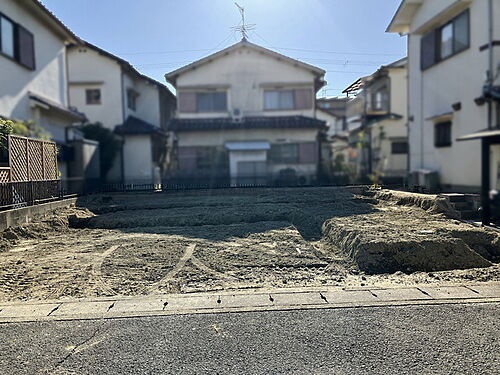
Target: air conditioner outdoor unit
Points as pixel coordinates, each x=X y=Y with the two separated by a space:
x=424 y=180
x=237 y=116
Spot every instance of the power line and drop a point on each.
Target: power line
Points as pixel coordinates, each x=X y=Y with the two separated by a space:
x=275 y=47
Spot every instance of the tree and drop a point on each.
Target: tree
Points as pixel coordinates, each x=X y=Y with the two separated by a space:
x=5 y=131
x=109 y=144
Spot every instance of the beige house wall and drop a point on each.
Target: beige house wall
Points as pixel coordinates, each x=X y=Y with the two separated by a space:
x=219 y=138
x=458 y=79
x=245 y=74
x=88 y=69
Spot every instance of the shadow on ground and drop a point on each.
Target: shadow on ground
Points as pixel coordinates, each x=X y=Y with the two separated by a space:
x=220 y=214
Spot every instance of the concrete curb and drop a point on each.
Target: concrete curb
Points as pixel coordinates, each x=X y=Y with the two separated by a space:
x=281 y=299
x=24 y=215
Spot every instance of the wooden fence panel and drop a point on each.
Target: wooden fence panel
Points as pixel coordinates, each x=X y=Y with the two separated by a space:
x=4 y=175
x=18 y=158
x=32 y=159
x=49 y=159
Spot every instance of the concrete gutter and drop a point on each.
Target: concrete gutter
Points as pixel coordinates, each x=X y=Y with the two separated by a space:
x=24 y=215
x=239 y=301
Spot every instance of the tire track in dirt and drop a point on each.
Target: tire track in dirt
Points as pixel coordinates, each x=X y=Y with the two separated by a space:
x=188 y=253
x=97 y=269
x=198 y=263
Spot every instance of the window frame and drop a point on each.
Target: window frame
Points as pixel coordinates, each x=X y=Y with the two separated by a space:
x=132 y=99
x=395 y=151
x=438 y=127
x=16 y=48
x=87 y=91
x=436 y=35
x=213 y=108
x=280 y=92
x=14 y=25
x=497 y=114
x=278 y=158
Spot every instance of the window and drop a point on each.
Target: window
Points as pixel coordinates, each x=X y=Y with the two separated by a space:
x=399 y=147
x=446 y=44
x=211 y=159
x=132 y=99
x=379 y=100
x=7 y=33
x=275 y=100
x=445 y=41
x=211 y=101
x=284 y=153
x=442 y=134
x=498 y=114
x=93 y=96
x=17 y=43
x=287 y=99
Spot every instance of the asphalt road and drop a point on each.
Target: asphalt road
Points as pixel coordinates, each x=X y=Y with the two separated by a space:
x=446 y=339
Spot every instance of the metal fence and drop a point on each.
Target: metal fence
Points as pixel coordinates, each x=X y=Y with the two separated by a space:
x=28 y=193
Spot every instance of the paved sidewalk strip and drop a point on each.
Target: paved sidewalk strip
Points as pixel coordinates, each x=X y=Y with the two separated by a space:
x=244 y=301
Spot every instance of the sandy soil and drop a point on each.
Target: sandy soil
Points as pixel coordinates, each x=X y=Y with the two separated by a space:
x=133 y=244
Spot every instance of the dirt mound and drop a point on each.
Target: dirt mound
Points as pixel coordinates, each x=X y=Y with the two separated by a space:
x=42 y=228
x=431 y=203
x=411 y=240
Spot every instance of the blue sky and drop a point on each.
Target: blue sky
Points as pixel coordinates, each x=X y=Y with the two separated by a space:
x=345 y=37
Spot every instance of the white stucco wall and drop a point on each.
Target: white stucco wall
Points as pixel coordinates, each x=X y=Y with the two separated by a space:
x=49 y=78
x=333 y=123
x=138 y=159
x=90 y=70
x=148 y=101
x=246 y=73
x=432 y=92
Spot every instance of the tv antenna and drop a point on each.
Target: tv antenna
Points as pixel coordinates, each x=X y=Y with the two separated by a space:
x=243 y=28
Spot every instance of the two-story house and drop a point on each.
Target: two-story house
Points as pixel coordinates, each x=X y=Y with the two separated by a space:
x=376 y=118
x=333 y=112
x=452 y=52
x=33 y=79
x=137 y=108
x=246 y=115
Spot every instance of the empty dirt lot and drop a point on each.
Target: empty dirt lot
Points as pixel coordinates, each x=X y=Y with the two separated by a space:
x=139 y=243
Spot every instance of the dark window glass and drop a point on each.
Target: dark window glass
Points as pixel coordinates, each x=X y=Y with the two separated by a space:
x=212 y=158
x=17 y=43
x=284 y=153
x=211 y=101
x=445 y=41
x=428 y=50
x=25 y=48
x=93 y=96
x=498 y=114
x=399 y=147
x=442 y=134
x=461 y=32
x=132 y=99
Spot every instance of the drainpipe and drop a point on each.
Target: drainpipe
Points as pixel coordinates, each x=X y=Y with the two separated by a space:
x=491 y=75
x=485 y=143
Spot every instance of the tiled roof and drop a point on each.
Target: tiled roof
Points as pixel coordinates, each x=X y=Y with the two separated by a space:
x=274 y=122
x=135 y=126
x=69 y=111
